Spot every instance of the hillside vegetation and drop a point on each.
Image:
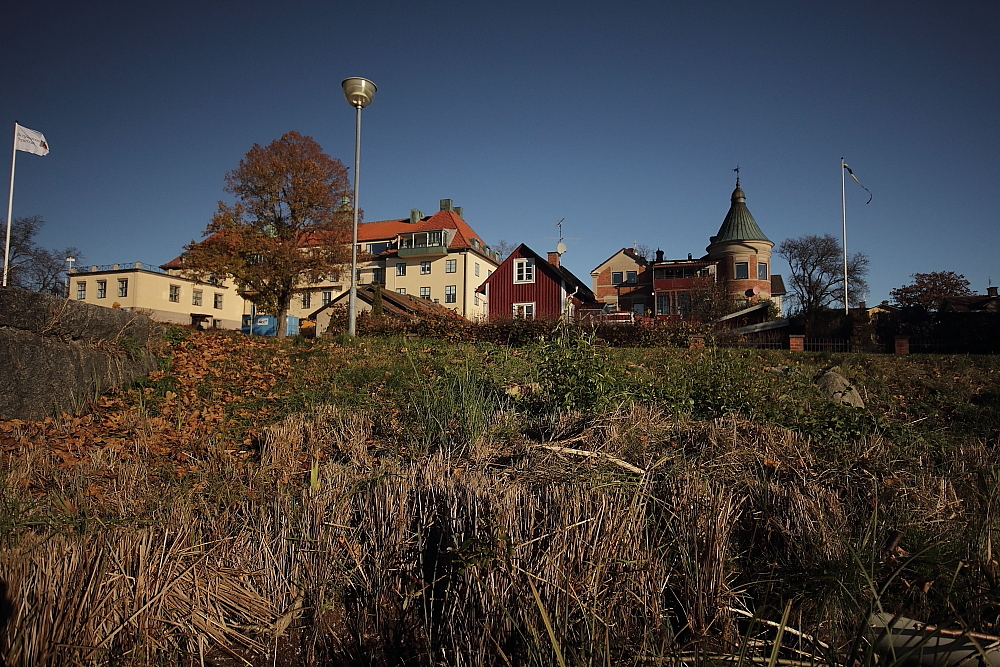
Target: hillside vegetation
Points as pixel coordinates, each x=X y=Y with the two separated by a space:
x=392 y=501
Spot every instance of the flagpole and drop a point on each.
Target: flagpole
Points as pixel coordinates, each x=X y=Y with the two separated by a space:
x=843 y=211
x=10 y=206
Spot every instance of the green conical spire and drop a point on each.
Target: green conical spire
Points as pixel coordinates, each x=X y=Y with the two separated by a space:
x=739 y=224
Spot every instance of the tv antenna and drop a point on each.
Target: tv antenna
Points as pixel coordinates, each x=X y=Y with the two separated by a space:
x=561 y=246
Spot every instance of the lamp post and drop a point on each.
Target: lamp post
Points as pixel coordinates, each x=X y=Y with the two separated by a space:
x=69 y=272
x=359 y=94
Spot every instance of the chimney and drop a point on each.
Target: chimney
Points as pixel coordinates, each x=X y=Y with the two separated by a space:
x=659 y=255
x=991 y=290
x=458 y=211
x=554 y=258
x=415 y=215
x=446 y=205
x=862 y=305
x=689 y=257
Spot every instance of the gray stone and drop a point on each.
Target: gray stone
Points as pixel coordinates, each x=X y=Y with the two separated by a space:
x=837 y=387
x=56 y=355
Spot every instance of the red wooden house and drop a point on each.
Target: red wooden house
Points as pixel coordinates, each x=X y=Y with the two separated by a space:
x=527 y=286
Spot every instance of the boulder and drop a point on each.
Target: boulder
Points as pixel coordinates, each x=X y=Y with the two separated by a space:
x=839 y=389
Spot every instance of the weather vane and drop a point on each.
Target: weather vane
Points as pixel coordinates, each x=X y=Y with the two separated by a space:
x=737 y=170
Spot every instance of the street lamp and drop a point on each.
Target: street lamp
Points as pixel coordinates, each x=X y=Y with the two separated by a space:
x=359 y=93
x=69 y=271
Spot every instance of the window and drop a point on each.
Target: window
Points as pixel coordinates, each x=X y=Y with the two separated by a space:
x=524 y=270
x=102 y=289
x=122 y=287
x=400 y=290
x=524 y=311
x=357 y=278
x=475 y=299
x=683 y=303
x=616 y=277
x=378 y=248
x=425 y=268
x=450 y=293
x=326 y=298
x=425 y=293
x=450 y=265
x=742 y=270
x=334 y=277
x=378 y=276
x=762 y=271
x=81 y=290
x=401 y=269
x=306 y=299
x=631 y=277
x=477 y=268
x=217 y=301
x=175 y=294
x=662 y=304
x=196 y=297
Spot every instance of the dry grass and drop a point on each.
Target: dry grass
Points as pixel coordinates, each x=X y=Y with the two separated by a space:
x=329 y=550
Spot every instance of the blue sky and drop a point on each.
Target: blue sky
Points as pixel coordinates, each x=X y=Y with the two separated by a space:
x=626 y=120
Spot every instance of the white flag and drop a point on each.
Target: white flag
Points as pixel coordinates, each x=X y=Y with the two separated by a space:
x=30 y=141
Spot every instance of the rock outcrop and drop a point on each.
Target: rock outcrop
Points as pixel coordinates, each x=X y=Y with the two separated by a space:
x=56 y=354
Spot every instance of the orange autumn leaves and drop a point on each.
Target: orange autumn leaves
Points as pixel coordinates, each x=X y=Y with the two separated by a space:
x=213 y=384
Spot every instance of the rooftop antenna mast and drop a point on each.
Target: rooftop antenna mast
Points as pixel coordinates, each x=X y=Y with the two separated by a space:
x=560 y=247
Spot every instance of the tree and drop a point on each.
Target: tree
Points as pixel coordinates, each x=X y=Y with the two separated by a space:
x=504 y=248
x=31 y=266
x=643 y=250
x=288 y=227
x=928 y=289
x=817 y=267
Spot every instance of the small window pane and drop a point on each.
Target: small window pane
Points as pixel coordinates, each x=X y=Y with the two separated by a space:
x=762 y=271
x=742 y=270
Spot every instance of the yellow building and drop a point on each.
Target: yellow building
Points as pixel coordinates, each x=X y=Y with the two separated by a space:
x=439 y=258
x=147 y=289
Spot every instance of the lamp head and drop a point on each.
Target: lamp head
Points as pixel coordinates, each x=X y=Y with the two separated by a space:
x=358 y=92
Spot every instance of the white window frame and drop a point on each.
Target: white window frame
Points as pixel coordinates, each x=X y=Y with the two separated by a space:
x=401 y=269
x=102 y=289
x=425 y=268
x=196 y=297
x=217 y=301
x=451 y=266
x=524 y=270
x=425 y=293
x=400 y=290
x=523 y=311
x=174 y=293
x=81 y=290
x=451 y=293
x=122 y=288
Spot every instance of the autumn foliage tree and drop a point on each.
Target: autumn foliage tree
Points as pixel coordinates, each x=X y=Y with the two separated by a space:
x=817 y=272
x=929 y=289
x=287 y=228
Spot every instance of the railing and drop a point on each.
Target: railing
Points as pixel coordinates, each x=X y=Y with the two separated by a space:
x=763 y=340
x=127 y=266
x=827 y=344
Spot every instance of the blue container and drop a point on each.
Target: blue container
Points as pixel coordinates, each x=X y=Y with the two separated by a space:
x=267 y=325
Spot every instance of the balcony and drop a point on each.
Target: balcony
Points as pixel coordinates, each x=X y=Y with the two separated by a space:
x=423 y=251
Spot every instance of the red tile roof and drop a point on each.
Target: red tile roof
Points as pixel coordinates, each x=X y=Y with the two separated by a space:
x=386 y=230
